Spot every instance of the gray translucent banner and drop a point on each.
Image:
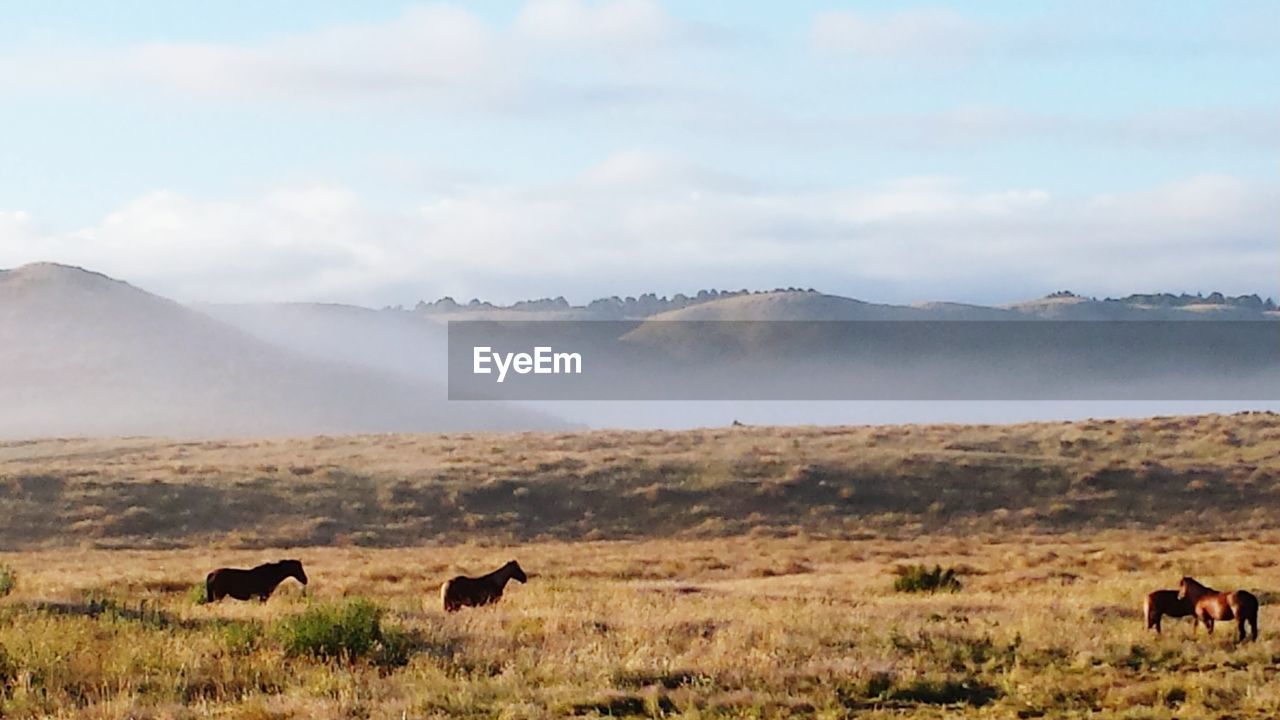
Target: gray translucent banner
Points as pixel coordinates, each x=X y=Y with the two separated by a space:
x=892 y=360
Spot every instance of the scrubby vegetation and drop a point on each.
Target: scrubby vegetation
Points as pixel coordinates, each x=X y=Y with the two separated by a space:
x=1045 y=626
x=746 y=572
x=8 y=580
x=346 y=631
x=919 y=578
x=391 y=490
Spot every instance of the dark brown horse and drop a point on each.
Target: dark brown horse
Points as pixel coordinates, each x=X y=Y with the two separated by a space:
x=484 y=590
x=259 y=582
x=1165 y=602
x=1211 y=605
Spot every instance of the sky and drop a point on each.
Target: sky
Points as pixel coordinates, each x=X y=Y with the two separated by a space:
x=386 y=152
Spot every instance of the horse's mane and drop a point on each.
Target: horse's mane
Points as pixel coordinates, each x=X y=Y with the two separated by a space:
x=1195 y=583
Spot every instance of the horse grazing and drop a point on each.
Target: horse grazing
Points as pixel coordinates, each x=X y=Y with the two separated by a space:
x=1165 y=602
x=259 y=582
x=484 y=590
x=1211 y=605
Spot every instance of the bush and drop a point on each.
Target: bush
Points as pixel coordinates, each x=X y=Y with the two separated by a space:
x=8 y=580
x=8 y=671
x=348 y=630
x=198 y=594
x=240 y=638
x=918 y=578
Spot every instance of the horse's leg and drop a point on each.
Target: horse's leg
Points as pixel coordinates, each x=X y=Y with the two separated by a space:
x=1208 y=623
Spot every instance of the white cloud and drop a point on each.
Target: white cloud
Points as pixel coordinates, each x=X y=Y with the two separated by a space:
x=437 y=52
x=1175 y=128
x=428 y=47
x=609 y=25
x=637 y=223
x=924 y=33
x=1083 y=29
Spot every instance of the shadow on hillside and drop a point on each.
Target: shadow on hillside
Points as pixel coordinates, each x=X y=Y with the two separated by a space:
x=110 y=609
x=1209 y=473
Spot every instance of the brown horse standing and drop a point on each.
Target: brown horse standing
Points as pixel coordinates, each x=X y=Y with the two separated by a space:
x=259 y=582
x=1211 y=605
x=484 y=590
x=1165 y=602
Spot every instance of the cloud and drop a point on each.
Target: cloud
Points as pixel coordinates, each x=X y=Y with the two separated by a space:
x=1085 y=29
x=626 y=24
x=438 y=52
x=640 y=222
x=923 y=33
x=430 y=47
x=1175 y=128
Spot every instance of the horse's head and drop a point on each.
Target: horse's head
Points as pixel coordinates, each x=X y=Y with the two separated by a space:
x=514 y=569
x=1187 y=586
x=293 y=568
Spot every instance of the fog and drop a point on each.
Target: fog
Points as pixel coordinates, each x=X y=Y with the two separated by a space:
x=82 y=354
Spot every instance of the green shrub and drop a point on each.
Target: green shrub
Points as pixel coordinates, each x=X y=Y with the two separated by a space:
x=198 y=595
x=8 y=580
x=919 y=578
x=329 y=630
x=240 y=638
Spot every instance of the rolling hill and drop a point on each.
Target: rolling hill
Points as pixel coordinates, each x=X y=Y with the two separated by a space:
x=1214 y=473
x=83 y=354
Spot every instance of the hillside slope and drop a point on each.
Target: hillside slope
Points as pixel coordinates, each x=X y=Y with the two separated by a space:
x=399 y=343
x=82 y=354
x=1211 y=473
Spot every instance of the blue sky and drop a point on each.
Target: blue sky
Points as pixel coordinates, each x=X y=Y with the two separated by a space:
x=381 y=152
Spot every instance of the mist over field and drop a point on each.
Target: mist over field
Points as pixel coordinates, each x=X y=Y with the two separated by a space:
x=84 y=354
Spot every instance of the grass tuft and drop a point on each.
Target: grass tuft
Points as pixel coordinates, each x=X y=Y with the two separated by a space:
x=922 y=579
x=8 y=580
x=347 y=630
x=198 y=594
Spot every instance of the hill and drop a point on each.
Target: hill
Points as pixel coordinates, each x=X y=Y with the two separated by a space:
x=387 y=341
x=800 y=304
x=83 y=354
x=1214 y=473
x=789 y=305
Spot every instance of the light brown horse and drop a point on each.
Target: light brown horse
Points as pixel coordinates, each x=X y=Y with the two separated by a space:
x=1211 y=605
x=1165 y=602
x=484 y=590
x=258 y=582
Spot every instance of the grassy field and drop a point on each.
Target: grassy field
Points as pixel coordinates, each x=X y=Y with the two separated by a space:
x=743 y=572
x=398 y=490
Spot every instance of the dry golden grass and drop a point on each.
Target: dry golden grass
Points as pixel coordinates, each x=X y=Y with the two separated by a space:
x=720 y=573
x=396 y=490
x=744 y=627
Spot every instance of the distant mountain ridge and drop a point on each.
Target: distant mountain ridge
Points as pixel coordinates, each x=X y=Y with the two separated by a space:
x=82 y=354
x=810 y=304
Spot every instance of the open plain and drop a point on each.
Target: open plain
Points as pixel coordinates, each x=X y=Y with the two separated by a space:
x=738 y=572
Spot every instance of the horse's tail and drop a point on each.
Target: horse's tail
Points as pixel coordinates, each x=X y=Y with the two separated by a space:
x=208 y=586
x=1149 y=611
x=446 y=590
x=1248 y=610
